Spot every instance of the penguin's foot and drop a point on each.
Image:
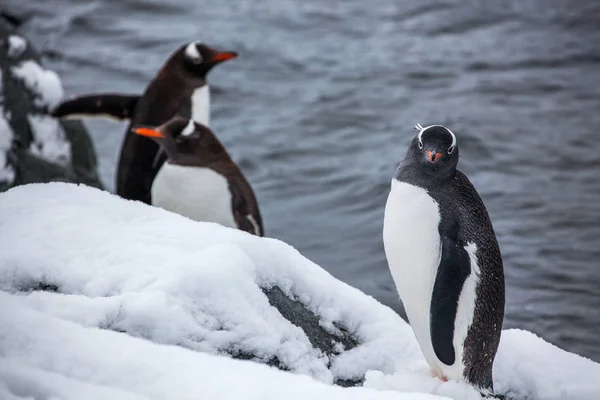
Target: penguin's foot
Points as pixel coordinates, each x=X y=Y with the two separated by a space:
x=488 y=394
x=439 y=374
x=494 y=396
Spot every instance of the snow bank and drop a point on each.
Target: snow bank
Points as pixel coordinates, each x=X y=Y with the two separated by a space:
x=70 y=361
x=530 y=368
x=526 y=367
x=126 y=267
x=143 y=303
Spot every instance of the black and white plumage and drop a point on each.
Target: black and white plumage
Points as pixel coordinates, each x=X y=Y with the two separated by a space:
x=445 y=260
x=179 y=88
x=199 y=180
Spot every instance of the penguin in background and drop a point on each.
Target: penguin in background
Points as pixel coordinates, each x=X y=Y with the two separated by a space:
x=179 y=88
x=199 y=179
x=445 y=260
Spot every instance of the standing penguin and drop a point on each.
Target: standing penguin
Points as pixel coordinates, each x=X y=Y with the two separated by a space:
x=445 y=260
x=199 y=180
x=179 y=88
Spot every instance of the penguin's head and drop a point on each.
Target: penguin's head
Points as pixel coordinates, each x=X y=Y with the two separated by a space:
x=434 y=149
x=184 y=141
x=194 y=60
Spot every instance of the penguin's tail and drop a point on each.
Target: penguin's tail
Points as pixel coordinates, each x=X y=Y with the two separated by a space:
x=487 y=393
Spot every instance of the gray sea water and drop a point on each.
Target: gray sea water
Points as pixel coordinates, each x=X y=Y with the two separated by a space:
x=320 y=104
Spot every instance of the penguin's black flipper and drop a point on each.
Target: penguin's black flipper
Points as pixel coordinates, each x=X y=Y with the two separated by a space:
x=115 y=106
x=454 y=269
x=245 y=209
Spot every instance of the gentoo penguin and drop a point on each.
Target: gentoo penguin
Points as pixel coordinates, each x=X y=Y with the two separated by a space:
x=445 y=260
x=179 y=88
x=199 y=179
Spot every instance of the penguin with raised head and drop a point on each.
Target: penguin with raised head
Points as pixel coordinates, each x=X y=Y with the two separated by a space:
x=199 y=180
x=445 y=260
x=179 y=88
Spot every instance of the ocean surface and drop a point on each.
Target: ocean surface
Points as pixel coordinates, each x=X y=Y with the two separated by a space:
x=319 y=108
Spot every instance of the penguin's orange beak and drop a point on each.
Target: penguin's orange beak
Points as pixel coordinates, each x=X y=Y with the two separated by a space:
x=224 y=56
x=148 y=132
x=433 y=157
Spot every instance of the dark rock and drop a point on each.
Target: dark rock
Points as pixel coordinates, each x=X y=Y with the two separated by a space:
x=296 y=312
x=271 y=362
x=19 y=104
x=46 y=287
x=32 y=286
x=349 y=382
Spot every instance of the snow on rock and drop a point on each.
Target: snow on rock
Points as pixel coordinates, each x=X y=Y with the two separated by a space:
x=7 y=171
x=112 y=298
x=33 y=146
x=49 y=139
x=45 y=84
x=16 y=45
x=184 y=292
x=159 y=276
x=71 y=361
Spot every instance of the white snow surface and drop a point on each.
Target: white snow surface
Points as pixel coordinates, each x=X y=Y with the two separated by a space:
x=70 y=361
x=45 y=84
x=526 y=367
x=16 y=45
x=49 y=139
x=149 y=301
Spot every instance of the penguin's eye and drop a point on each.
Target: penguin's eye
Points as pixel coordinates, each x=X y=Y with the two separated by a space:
x=197 y=60
x=450 y=149
x=420 y=145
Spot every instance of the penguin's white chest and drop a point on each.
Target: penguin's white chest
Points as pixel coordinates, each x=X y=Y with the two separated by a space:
x=197 y=193
x=412 y=247
x=201 y=105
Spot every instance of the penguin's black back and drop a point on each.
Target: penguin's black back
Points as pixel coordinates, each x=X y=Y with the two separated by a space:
x=139 y=161
x=461 y=204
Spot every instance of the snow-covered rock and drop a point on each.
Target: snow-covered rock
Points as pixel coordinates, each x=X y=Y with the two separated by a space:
x=34 y=147
x=101 y=297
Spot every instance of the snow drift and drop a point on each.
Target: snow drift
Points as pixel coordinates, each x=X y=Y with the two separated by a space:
x=106 y=298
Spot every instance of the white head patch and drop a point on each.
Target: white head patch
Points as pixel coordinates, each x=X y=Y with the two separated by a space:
x=191 y=51
x=189 y=129
x=421 y=130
